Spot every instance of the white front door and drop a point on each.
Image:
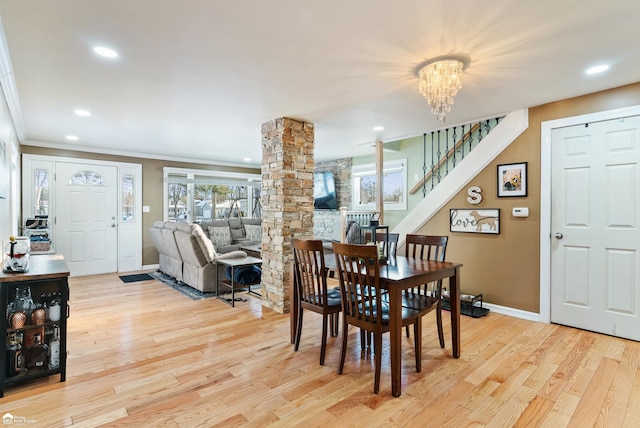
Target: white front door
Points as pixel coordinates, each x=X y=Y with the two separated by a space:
x=595 y=227
x=86 y=222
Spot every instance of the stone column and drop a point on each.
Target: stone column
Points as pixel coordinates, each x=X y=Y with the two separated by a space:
x=287 y=203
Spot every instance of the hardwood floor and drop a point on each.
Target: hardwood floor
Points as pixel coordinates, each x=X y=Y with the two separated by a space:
x=143 y=355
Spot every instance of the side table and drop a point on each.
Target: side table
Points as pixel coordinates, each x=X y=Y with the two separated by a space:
x=252 y=250
x=235 y=264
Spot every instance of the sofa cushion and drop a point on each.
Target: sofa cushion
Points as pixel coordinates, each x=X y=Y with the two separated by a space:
x=236 y=234
x=237 y=231
x=203 y=243
x=223 y=249
x=220 y=236
x=253 y=232
x=190 y=249
x=214 y=223
x=246 y=221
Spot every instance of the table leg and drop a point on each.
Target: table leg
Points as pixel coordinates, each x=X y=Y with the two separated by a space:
x=454 y=286
x=395 y=326
x=233 y=287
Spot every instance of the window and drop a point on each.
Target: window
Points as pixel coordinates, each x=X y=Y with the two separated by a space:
x=41 y=192
x=195 y=196
x=394 y=186
x=86 y=178
x=127 y=198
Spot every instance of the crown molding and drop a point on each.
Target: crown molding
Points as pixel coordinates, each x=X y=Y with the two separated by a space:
x=132 y=154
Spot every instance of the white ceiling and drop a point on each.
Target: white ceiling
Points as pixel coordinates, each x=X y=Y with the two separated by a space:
x=196 y=79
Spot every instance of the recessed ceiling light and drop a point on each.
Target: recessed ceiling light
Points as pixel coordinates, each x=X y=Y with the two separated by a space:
x=597 y=69
x=378 y=128
x=72 y=138
x=105 y=52
x=247 y=159
x=83 y=113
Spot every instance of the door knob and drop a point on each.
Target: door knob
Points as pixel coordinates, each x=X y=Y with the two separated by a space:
x=558 y=235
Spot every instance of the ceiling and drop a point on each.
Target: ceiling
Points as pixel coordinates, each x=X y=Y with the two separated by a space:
x=195 y=80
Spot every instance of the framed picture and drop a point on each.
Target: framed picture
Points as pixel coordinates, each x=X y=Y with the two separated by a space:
x=512 y=179
x=475 y=220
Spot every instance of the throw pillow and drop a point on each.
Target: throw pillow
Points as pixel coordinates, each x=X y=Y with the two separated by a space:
x=220 y=236
x=254 y=232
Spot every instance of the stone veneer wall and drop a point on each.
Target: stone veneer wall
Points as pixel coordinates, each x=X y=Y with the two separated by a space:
x=326 y=223
x=287 y=203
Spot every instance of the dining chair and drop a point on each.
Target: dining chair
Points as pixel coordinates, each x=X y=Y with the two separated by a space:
x=310 y=281
x=358 y=270
x=426 y=247
x=381 y=240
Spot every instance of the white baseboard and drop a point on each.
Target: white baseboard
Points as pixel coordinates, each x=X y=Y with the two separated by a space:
x=150 y=267
x=516 y=313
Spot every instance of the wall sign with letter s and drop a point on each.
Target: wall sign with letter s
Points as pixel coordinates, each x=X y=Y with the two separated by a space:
x=474 y=195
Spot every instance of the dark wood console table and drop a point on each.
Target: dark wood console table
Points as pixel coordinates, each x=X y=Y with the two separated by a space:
x=44 y=283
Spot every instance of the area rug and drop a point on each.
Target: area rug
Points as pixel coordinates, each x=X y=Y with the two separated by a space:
x=136 y=277
x=188 y=291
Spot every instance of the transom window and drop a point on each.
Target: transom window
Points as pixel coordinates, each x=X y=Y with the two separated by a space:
x=86 y=178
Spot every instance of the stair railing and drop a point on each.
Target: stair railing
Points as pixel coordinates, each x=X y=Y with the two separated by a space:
x=441 y=163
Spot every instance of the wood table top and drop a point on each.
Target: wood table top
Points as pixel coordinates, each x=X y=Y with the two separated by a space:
x=41 y=266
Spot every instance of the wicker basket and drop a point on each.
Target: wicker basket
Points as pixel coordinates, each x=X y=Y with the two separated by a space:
x=40 y=245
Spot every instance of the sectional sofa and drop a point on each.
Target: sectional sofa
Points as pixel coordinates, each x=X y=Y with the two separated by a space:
x=188 y=254
x=231 y=234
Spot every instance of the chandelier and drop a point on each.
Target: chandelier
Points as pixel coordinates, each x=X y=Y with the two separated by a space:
x=440 y=80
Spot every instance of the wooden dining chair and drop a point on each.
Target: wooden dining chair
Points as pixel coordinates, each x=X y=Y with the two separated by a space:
x=429 y=248
x=310 y=281
x=381 y=240
x=358 y=270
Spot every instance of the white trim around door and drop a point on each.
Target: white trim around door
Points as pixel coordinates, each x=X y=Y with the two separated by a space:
x=545 y=193
x=129 y=203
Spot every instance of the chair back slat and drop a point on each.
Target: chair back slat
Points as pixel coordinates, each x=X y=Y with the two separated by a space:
x=426 y=247
x=381 y=239
x=359 y=275
x=309 y=271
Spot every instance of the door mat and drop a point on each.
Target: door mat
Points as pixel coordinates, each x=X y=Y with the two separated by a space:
x=466 y=309
x=135 y=278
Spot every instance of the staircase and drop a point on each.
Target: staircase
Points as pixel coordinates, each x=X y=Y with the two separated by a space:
x=455 y=180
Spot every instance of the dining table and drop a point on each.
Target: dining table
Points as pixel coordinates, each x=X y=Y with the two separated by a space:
x=397 y=274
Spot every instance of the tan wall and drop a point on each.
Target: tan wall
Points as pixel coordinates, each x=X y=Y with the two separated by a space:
x=505 y=268
x=152 y=185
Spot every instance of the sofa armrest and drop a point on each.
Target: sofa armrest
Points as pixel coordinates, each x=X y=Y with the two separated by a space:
x=232 y=255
